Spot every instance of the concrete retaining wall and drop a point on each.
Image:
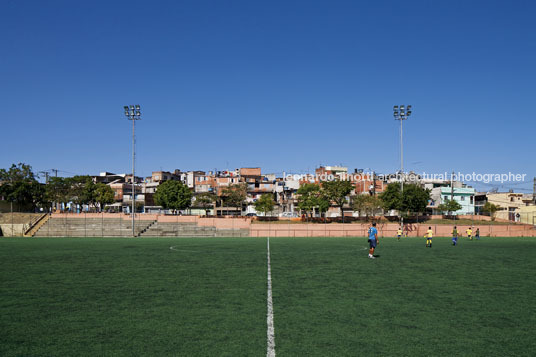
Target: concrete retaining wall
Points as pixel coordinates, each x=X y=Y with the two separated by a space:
x=12 y=230
x=384 y=230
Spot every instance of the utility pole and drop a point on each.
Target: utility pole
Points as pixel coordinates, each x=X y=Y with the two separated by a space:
x=46 y=175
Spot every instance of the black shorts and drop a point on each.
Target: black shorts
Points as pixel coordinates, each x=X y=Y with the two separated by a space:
x=372 y=243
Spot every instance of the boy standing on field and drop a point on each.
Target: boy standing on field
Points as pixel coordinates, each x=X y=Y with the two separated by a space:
x=373 y=240
x=428 y=236
x=477 y=234
x=399 y=233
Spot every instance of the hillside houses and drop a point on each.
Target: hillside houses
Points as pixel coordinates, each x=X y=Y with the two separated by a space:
x=284 y=190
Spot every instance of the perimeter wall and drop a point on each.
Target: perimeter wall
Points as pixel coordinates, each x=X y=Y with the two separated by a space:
x=384 y=230
x=294 y=229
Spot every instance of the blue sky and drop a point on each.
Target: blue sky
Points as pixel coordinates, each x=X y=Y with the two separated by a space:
x=285 y=85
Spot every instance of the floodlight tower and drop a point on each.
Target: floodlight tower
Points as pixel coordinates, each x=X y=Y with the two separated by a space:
x=401 y=113
x=133 y=113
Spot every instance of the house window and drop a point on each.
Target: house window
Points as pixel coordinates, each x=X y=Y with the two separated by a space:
x=446 y=198
x=462 y=198
x=511 y=199
x=471 y=200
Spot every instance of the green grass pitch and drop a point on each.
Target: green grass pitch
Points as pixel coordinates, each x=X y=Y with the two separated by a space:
x=207 y=297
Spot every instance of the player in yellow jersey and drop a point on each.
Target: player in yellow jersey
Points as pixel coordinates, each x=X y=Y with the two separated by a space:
x=399 y=233
x=429 y=234
x=469 y=232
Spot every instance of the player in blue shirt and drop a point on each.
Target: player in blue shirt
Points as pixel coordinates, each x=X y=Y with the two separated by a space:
x=373 y=240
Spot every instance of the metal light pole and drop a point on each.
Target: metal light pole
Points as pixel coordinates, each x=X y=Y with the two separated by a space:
x=133 y=113
x=401 y=113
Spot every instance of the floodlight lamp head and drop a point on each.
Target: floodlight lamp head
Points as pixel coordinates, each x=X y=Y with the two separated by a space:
x=137 y=107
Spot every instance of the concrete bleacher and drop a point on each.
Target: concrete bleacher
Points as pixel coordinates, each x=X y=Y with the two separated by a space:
x=91 y=227
x=190 y=229
x=110 y=227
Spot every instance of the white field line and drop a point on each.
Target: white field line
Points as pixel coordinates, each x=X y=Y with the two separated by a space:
x=183 y=250
x=270 y=352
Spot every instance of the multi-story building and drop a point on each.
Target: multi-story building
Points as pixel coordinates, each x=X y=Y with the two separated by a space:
x=285 y=192
x=162 y=176
x=465 y=196
x=121 y=184
x=108 y=177
x=509 y=203
x=123 y=196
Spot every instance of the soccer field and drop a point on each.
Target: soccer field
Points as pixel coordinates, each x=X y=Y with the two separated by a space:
x=208 y=297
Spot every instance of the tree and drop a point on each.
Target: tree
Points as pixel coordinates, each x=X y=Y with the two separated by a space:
x=391 y=197
x=306 y=197
x=414 y=198
x=57 y=190
x=26 y=195
x=19 y=185
x=81 y=190
x=310 y=197
x=103 y=195
x=205 y=200
x=173 y=195
x=235 y=195
x=449 y=206
x=490 y=209
x=265 y=204
x=322 y=203
x=366 y=204
x=337 y=191
x=19 y=172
